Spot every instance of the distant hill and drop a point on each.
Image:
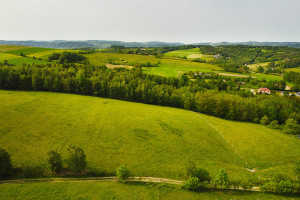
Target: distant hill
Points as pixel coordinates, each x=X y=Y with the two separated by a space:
x=67 y=44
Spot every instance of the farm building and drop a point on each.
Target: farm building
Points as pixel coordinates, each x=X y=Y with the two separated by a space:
x=264 y=90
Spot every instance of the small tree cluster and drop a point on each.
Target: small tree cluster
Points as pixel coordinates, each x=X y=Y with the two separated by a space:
x=221 y=181
x=76 y=161
x=198 y=177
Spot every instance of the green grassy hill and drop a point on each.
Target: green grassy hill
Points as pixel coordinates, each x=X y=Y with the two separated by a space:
x=112 y=190
x=151 y=140
x=36 y=55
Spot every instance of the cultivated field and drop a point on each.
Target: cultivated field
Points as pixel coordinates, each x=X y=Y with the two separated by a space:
x=152 y=140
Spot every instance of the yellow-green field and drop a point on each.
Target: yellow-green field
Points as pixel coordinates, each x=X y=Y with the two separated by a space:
x=7 y=56
x=112 y=190
x=151 y=140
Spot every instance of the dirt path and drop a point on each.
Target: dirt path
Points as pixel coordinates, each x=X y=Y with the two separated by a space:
x=101 y=179
x=105 y=179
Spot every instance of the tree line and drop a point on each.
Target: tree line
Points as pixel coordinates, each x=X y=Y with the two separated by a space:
x=210 y=98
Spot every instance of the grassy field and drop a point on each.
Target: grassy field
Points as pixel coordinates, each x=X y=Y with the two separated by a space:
x=7 y=56
x=189 y=53
x=255 y=66
x=27 y=51
x=4 y=47
x=293 y=69
x=112 y=190
x=166 y=66
x=45 y=54
x=151 y=140
x=12 y=54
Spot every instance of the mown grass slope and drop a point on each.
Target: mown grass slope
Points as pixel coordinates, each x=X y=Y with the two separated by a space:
x=112 y=190
x=151 y=140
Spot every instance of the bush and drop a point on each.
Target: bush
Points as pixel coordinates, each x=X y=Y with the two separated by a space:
x=264 y=120
x=291 y=127
x=122 y=173
x=77 y=159
x=297 y=169
x=221 y=181
x=34 y=171
x=55 y=161
x=5 y=164
x=192 y=184
x=235 y=184
x=274 y=124
x=246 y=185
x=201 y=174
x=190 y=169
x=282 y=187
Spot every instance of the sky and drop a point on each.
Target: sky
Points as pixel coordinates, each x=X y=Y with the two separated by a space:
x=187 y=21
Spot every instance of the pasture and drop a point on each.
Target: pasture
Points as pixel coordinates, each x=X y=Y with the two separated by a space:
x=113 y=190
x=150 y=140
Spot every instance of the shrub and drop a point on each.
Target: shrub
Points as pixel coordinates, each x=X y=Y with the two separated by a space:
x=5 y=164
x=264 y=120
x=282 y=187
x=221 y=181
x=34 y=171
x=77 y=159
x=190 y=169
x=192 y=184
x=274 y=124
x=297 y=169
x=246 y=185
x=55 y=161
x=291 y=127
x=235 y=184
x=122 y=173
x=201 y=174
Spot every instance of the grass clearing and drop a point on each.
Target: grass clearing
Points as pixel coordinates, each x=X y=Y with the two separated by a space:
x=150 y=140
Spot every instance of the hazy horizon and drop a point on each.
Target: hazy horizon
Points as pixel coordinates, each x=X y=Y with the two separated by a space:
x=189 y=21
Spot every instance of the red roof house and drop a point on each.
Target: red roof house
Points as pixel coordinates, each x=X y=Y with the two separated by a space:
x=264 y=90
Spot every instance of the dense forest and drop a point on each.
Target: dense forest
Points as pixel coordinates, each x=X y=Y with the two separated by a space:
x=213 y=98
